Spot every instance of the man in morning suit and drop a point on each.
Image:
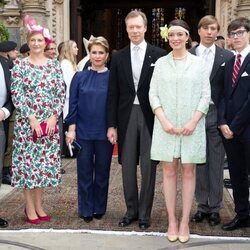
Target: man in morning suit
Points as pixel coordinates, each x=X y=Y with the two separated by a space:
x=209 y=176
x=234 y=120
x=6 y=108
x=130 y=117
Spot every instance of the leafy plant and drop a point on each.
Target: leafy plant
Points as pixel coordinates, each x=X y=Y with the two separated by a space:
x=4 y=32
x=1 y=3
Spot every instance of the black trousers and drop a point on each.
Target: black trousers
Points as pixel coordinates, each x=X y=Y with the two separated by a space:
x=238 y=155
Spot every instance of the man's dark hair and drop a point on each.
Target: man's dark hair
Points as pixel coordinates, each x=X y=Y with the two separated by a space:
x=238 y=23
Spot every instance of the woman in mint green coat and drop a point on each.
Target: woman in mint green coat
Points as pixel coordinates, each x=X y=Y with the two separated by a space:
x=179 y=96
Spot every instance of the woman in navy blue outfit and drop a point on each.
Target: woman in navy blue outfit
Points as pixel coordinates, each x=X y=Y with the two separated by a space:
x=87 y=124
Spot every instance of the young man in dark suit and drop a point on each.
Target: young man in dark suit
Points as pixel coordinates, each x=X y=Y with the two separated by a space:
x=6 y=108
x=234 y=120
x=130 y=118
x=209 y=176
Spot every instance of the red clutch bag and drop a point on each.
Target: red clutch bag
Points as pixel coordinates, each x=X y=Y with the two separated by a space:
x=43 y=126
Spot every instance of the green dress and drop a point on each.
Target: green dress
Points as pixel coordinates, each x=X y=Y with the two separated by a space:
x=38 y=90
x=181 y=89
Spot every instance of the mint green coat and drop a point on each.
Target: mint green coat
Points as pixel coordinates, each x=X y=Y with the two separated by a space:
x=180 y=93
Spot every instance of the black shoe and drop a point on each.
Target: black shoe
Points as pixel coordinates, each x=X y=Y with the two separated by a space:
x=87 y=219
x=3 y=223
x=237 y=222
x=199 y=216
x=63 y=171
x=6 y=179
x=144 y=225
x=214 y=219
x=126 y=221
x=98 y=216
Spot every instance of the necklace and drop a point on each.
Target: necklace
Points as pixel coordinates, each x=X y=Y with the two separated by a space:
x=180 y=58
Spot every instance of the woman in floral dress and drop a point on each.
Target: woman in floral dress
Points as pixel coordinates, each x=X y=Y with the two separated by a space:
x=38 y=94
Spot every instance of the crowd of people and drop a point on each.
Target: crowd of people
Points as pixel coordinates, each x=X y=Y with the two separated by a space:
x=186 y=109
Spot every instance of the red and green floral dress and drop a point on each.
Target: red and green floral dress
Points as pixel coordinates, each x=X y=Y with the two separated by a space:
x=38 y=90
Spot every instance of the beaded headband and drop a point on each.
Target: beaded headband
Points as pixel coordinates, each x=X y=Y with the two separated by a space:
x=177 y=27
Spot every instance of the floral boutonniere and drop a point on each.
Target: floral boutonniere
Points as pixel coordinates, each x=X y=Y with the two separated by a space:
x=164 y=32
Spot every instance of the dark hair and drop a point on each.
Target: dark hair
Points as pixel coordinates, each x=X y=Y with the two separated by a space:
x=239 y=22
x=183 y=24
x=207 y=20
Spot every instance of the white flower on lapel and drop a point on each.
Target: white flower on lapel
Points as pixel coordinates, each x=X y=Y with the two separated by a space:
x=223 y=64
x=244 y=74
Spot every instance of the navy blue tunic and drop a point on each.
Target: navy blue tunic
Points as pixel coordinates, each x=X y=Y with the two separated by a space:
x=87 y=104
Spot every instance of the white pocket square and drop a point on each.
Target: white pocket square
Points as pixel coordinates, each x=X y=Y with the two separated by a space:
x=152 y=65
x=223 y=64
x=244 y=74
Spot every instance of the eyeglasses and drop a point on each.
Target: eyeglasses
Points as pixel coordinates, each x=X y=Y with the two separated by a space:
x=238 y=33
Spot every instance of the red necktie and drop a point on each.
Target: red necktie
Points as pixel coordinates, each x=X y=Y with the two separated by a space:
x=236 y=69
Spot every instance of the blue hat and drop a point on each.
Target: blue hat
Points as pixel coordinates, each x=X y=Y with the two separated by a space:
x=7 y=46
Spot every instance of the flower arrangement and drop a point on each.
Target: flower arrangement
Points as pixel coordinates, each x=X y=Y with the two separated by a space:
x=164 y=32
x=32 y=26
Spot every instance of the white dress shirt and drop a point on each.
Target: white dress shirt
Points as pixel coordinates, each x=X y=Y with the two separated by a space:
x=141 y=53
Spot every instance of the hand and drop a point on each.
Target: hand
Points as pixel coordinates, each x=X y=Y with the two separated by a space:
x=2 y=115
x=35 y=125
x=51 y=124
x=189 y=127
x=178 y=131
x=226 y=131
x=168 y=127
x=70 y=137
x=112 y=135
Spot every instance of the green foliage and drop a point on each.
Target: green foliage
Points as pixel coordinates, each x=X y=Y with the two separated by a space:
x=4 y=32
x=1 y=3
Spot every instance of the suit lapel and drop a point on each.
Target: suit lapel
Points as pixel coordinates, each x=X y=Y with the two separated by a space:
x=218 y=60
x=242 y=69
x=146 y=64
x=128 y=67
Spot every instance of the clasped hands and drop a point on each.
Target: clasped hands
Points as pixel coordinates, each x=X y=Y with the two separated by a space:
x=35 y=125
x=188 y=128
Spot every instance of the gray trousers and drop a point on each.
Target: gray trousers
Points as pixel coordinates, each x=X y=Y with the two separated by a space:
x=138 y=138
x=209 y=177
x=2 y=148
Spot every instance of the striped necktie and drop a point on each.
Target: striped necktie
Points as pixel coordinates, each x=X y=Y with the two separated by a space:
x=236 y=69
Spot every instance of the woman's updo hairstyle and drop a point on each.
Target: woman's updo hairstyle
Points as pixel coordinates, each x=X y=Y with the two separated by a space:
x=183 y=24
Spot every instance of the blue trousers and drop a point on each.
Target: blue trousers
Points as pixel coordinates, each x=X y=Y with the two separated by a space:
x=93 y=167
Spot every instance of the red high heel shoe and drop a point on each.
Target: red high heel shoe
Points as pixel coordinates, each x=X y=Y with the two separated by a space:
x=44 y=218
x=34 y=221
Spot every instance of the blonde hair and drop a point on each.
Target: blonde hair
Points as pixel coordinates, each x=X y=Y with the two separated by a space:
x=32 y=33
x=66 y=53
x=100 y=40
x=208 y=20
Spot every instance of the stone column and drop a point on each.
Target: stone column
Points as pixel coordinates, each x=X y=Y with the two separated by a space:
x=35 y=9
x=243 y=8
x=11 y=17
x=226 y=11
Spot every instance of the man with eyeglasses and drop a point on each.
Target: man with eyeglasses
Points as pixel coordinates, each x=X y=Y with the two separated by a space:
x=234 y=120
x=209 y=176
